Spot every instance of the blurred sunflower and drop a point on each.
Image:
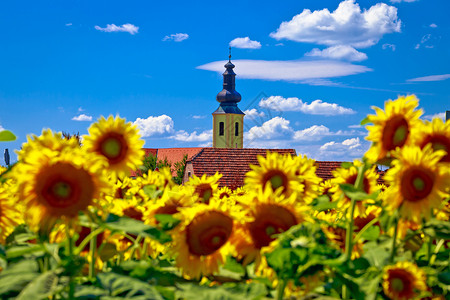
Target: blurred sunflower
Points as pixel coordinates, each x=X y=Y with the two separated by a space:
x=47 y=140
x=201 y=241
x=172 y=199
x=10 y=216
x=205 y=187
x=133 y=209
x=403 y=281
x=335 y=232
x=275 y=171
x=394 y=127
x=417 y=182
x=161 y=179
x=305 y=170
x=240 y=191
x=349 y=176
x=437 y=133
x=225 y=192
x=269 y=213
x=118 y=142
x=57 y=186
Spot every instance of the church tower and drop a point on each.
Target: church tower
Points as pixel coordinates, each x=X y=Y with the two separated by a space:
x=228 y=119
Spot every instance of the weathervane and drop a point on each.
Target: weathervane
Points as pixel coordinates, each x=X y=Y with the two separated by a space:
x=229 y=56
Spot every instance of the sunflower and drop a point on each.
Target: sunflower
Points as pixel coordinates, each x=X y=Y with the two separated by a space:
x=417 y=182
x=343 y=175
x=133 y=209
x=118 y=142
x=170 y=202
x=275 y=171
x=269 y=213
x=161 y=179
x=225 y=192
x=49 y=140
x=305 y=170
x=201 y=241
x=205 y=187
x=403 y=281
x=335 y=232
x=10 y=216
x=56 y=185
x=394 y=127
x=437 y=133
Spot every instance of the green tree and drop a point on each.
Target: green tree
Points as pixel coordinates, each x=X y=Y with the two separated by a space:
x=180 y=168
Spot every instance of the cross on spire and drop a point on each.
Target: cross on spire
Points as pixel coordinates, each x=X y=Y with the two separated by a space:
x=229 y=56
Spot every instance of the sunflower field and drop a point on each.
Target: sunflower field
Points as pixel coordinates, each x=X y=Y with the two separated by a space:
x=75 y=225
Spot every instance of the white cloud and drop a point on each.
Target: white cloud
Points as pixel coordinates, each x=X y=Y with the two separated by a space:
x=176 y=37
x=82 y=117
x=130 y=28
x=1 y=128
x=198 y=117
x=317 y=107
x=391 y=46
x=424 y=40
x=69 y=24
x=347 y=150
x=245 y=43
x=338 y=52
x=279 y=44
x=154 y=125
x=317 y=132
x=347 y=25
x=80 y=109
x=253 y=113
x=355 y=126
x=430 y=78
x=275 y=127
x=313 y=133
x=435 y=116
x=193 y=137
x=289 y=70
x=433 y=25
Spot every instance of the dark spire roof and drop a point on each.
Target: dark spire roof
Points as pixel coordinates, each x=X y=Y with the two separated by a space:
x=228 y=96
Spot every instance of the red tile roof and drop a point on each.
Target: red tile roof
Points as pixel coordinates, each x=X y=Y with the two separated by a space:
x=173 y=155
x=325 y=168
x=230 y=162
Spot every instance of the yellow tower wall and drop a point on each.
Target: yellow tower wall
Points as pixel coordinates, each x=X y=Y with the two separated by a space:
x=229 y=139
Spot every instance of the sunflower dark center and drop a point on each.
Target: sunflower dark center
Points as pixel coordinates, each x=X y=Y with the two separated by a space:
x=133 y=213
x=62 y=189
x=208 y=232
x=269 y=220
x=439 y=142
x=204 y=191
x=168 y=209
x=395 y=133
x=114 y=147
x=352 y=180
x=416 y=184
x=397 y=284
x=401 y=283
x=276 y=178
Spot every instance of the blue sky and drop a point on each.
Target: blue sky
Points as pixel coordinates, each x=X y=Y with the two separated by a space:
x=308 y=71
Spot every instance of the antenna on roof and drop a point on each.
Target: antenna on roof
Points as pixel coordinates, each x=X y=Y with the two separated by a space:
x=229 y=56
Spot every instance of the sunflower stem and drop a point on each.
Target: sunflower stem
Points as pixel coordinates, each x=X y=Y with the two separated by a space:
x=280 y=289
x=436 y=251
x=87 y=240
x=361 y=232
x=394 y=240
x=349 y=232
x=70 y=255
x=92 y=253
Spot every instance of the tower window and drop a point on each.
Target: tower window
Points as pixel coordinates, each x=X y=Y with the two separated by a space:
x=236 y=129
x=221 y=128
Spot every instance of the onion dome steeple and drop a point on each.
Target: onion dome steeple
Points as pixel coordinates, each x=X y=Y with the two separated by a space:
x=229 y=95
